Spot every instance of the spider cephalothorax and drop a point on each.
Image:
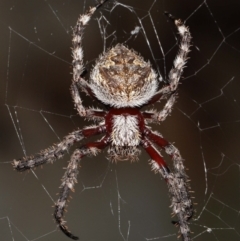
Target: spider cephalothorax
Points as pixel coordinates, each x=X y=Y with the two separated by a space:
x=125 y=126
x=124 y=82
x=121 y=78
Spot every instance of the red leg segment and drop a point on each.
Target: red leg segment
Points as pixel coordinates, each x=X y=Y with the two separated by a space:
x=157 y=139
x=90 y=131
x=170 y=149
x=177 y=182
x=155 y=156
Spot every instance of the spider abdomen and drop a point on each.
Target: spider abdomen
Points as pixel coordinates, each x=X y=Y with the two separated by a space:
x=121 y=78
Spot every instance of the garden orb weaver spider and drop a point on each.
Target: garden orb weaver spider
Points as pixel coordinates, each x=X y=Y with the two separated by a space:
x=123 y=82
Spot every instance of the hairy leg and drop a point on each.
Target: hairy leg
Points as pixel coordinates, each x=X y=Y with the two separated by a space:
x=178 y=189
x=155 y=116
x=181 y=58
x=178 y=166
x=77 y=54
x=96 y=114
x=70 y=178
x=179 y=62
x=171 y=150
x=57 y=151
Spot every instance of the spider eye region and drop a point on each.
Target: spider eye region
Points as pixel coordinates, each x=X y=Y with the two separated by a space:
x=121 y=78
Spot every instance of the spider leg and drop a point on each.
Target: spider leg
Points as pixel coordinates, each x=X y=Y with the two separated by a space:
x=90 y=113
x=181 y=58
x=174 y=74
x=178 y=188
x=95 y=114
x=77 y=54
x=162 y=115
x=172 y=151
x=178 y=64
x=70 y=178
x=58 y=150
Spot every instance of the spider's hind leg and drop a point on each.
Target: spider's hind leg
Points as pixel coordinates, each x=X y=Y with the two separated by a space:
x=178 y=188
x=70 y=178
x=178 y=166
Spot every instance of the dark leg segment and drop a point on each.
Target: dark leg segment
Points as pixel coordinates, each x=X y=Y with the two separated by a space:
x=57 y=151
x=181 y=203
x=70 y=178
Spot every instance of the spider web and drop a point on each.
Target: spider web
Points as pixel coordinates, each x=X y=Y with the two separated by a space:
x=123 y=201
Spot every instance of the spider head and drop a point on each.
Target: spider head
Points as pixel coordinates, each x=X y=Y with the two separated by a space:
x=121 y=78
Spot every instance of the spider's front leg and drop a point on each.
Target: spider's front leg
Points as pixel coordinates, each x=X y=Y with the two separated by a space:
x=177 y=70
x=178 y=188
x=58 y=150
x=181 y=58
x=70 y=178
x=78 y=66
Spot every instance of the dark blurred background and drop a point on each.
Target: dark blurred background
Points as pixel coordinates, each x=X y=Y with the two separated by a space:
x=123 y=201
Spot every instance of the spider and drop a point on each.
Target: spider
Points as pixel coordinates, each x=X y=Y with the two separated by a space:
x=123 y=82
